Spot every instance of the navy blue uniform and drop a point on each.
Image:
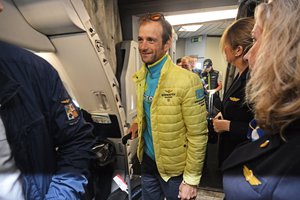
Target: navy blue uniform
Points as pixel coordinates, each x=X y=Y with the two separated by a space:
x=49 y=139
x=235 y=109
x=274 y=165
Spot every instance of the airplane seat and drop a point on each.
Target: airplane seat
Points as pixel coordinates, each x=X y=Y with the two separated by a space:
x=104 y=130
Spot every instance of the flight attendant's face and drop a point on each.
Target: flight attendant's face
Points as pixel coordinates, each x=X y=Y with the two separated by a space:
x=252 y=53
x=151 y=46
x=229 y=53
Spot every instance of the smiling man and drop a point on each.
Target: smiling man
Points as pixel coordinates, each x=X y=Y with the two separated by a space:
x=171 y=117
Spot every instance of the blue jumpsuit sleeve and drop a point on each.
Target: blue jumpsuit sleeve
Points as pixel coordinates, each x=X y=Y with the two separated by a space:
x=73 y=141
x=66 y=186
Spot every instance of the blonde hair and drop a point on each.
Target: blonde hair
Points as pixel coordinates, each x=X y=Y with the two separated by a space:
x=274 y=86
x=187 y=58
x=238 y=34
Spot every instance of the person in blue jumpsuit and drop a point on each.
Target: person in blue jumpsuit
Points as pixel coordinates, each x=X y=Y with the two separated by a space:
x=44 y=141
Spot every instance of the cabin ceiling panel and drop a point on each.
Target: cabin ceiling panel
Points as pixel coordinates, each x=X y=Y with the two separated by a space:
x=212 y=28
x=129 y=8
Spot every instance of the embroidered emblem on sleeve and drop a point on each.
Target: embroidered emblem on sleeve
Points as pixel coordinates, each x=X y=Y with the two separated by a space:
x=248 y=174
x=70 y=109
x=199 y=93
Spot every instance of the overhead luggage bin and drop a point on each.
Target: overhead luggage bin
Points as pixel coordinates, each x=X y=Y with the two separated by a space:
x=55 y=17
x=60 y=31
x=16 y=30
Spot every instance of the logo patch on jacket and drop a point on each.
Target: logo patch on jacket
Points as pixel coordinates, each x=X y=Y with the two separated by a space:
x=199 y=93
x=199 y=96
x=234 y=99
x=168 y=94
x=70 y=109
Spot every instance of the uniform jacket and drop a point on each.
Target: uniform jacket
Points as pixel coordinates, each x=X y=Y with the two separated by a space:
x=235 y=109
x=273 y=162
x=49 y=140
x=178 y=121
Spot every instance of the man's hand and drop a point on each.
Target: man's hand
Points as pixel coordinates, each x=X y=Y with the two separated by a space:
x=134 y=130
x=187 y=192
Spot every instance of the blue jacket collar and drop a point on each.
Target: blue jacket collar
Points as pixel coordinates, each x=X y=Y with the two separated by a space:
x=155 y=68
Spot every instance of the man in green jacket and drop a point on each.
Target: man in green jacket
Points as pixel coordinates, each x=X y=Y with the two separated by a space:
x=171 y=117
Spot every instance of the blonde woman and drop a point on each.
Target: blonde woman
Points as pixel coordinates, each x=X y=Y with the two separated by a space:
x=232 y=122
x=268 y=168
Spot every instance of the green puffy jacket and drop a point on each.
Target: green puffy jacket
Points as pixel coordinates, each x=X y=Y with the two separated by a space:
x=178 y=121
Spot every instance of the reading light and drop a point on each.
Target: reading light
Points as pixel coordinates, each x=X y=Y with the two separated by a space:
x=201 y=17
x=190 y=28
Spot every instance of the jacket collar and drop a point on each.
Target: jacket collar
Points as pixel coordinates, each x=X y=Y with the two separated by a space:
x=237 y=83
x=8 y=88
x=247 y=152
x=141 y=74
x=156 y=67
x=161 y=60
x=263 y=145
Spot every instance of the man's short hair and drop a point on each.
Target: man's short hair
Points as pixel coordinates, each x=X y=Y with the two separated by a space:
x=158 y=17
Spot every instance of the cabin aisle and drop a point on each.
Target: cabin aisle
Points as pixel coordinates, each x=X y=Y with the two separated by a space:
x=209 y=195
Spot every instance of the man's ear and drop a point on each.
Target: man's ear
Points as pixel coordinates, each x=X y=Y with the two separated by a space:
x=168 y=44
x=239 y=51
